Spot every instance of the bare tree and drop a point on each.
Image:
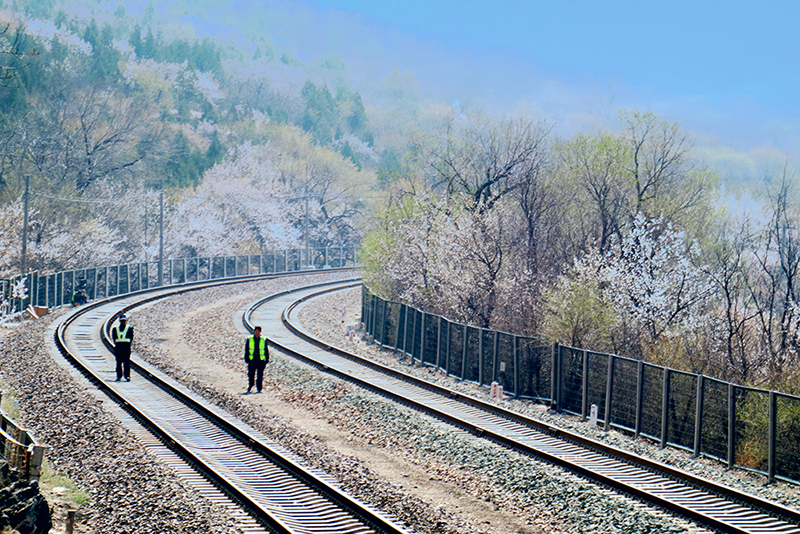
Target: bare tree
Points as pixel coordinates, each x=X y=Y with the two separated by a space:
x=775 y=290
x=596 y=165
x=485 y=161
x=730 y=271
x=12 y=56
x=663 y=175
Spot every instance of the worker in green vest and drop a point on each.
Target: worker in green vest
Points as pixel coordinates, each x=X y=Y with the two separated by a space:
x=256 y=355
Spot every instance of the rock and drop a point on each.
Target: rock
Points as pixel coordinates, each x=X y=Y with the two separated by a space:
x=24 y=509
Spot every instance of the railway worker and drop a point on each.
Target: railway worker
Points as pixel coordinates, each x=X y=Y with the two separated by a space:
x=256 y=356
x=122 y=336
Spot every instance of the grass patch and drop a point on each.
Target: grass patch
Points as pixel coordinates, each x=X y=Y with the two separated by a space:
x=50 y=480
x=9 y=404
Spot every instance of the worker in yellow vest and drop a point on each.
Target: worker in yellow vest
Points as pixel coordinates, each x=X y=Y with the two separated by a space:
x=256 y=355
x=122 y=336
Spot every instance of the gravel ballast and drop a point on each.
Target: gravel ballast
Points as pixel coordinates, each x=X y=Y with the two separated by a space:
x=132 y=492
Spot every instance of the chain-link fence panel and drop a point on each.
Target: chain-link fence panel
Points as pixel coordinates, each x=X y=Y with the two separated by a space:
x=787 y=438
x=124 y=284
x=623 y=395
x=472 y=361
x=99 y=283
x=571 y=372
x=51 y=291
x=597 y=383
x=505 y=362
x=444 y=344
x=281 y=263
x=682 y=409
x=193 y=269
x=402 y=328
x=135 y=273
x=714 y=434
x=752 y=420
x=535 y=369
x=379 y=308
x=431 y=339
x=652 y=398
x=389 y=325
x=366 y=309
x=456 y=359
x=110 y=278
x=416 y=335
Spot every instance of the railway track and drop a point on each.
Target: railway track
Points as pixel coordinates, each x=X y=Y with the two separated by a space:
x=266 y=487
x=709 y=504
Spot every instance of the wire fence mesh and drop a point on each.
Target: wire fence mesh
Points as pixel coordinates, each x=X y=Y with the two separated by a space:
x=716 y=412
x=623 y=395
x=737 y=424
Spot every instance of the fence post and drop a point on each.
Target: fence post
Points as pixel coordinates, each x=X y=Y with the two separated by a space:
x=447 y=349
x=773 y=435
x=731 y=425
x=405 y=328
x=555 y=381
x=464 y=352
x=609 y=392
x=698 y=418
x=35 y=458
x=414 y=334
x=495 y=357
x=374 y=316
x=366 y=303
x=438 y=341
x=480 y=356
x=639 y=398
x=516 y=366
x=585 y=384
x=665 y=409
x=422 y=336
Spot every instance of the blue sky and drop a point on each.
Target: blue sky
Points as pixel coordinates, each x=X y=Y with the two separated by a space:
x=716 y=50
x=728 y=70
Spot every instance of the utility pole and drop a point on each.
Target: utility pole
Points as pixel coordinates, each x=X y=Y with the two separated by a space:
x=305 y=227
x=161 y=236
x=24 y=262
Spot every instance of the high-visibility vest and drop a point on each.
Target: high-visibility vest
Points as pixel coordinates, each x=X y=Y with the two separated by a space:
x=122 y=335
x=262 y=343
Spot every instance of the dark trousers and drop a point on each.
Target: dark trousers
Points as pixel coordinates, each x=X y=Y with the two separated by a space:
x=123 y=365
x=255 y=374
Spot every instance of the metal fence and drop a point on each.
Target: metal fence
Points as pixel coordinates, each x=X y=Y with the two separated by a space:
x=57 y=289
x=20 y=448
x=741 y=426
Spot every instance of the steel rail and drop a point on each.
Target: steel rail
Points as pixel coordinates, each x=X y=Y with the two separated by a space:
x=285 y=495
x=711 y=504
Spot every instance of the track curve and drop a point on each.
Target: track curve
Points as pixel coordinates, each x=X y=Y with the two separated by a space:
x=259 y=475
x=710 y=504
